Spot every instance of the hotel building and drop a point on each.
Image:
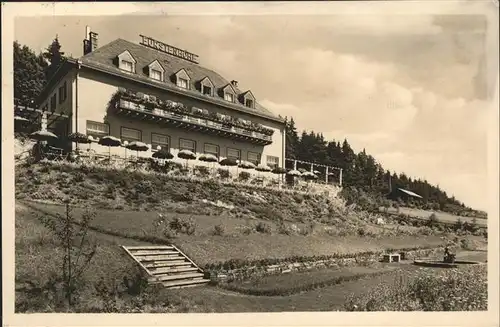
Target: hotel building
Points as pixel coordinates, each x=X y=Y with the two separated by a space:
x=158 y=94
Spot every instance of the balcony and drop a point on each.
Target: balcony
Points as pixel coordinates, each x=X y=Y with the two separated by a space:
x=130 y=108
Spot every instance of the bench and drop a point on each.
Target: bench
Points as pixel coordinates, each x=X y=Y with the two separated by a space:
x=392 y=257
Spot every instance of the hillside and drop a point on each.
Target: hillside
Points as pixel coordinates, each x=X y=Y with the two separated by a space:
x=218 y=226
x=243 y=222
x=362 y=172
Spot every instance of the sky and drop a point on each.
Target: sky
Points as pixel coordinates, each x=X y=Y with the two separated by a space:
x=414 y=89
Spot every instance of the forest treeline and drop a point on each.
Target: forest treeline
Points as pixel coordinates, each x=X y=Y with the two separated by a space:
x=365 y=180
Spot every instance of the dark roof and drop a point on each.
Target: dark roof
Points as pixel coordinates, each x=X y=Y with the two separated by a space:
x=104 y=59
x=410 y=193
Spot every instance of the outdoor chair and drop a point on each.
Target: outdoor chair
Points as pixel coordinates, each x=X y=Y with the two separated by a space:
x=53 y=153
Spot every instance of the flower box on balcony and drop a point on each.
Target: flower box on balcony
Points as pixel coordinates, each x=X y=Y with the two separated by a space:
x=179 y=111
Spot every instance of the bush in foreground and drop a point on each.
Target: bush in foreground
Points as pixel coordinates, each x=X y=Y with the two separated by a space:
x=448 y=290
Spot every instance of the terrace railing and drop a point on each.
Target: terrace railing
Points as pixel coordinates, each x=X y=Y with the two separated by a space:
x=204 y=123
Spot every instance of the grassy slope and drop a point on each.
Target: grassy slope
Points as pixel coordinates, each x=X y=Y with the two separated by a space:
x=204 y=247
x=146 y=192
x=441 y=216
x=37 y=256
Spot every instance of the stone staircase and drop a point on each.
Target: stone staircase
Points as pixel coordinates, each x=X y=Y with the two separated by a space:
x=167 y=265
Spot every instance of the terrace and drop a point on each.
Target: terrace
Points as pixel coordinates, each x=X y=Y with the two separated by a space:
x=149 y=108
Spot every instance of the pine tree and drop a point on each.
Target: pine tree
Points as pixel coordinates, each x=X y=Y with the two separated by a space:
x=54 y=56
x=292 y=139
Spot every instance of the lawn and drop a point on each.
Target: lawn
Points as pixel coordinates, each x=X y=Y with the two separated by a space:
x=38 y=255
x=204 y=247
x=442 y=216
x=302 y=281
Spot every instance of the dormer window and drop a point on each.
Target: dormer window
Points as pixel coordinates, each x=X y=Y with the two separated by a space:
x=207 y=87
x=207 y=90
x=182 y=79
x=127 y=65
x=156 y=71
x=126 y=62
x=247 y=99
x=181 y=82
x=155 y=74
x=228 y=93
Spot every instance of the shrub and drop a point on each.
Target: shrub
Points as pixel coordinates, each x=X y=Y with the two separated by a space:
x=266 y=211
x=219 y=230
x=298 y=197
x=459 y=224
x=308 y=229
x=246 y=230
x=203 y=170
x=78 y=177
x=425 y=230
x=223 y=173
x=450 y=290
x=244 y=176
x=433 y=220
x=144 y=187
x=362 y=231
x=284 y=229
x=262 y=227
x=184 y=226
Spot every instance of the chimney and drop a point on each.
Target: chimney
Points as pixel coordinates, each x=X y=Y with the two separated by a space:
x=90 y=41
x=93 y=40
x=234 y=83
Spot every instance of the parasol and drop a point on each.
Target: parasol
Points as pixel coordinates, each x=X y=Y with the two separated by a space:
x=110 y=141
x=43 y=136
x=186 y=154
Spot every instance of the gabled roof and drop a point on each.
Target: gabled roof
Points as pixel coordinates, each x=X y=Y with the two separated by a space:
x=156 y=63
x=102 y=59
x=247 y=93
x=207 y=79
x=230 y=87
x=182 y=70
x=244 y=95
x=127 y=53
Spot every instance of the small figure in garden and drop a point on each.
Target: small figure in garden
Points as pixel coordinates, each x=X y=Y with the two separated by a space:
x=448 y=257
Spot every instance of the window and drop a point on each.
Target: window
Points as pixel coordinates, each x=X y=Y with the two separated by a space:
x=182 y=82
x=211 y=149
x=155 y=74
x=130 y=134
x=63 y=93
x=253 y=157
x=249 y=103
x=206 y=90
x=127 y=65
x=229 y=97
x=97 y=129
x=156 y=71
x=53 y=103
x=126 y=61
x=185 y=144
x=273 y=162
x=233 y=153
x=160 y=140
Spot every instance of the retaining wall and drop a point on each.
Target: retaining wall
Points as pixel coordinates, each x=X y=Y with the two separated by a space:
x=218 y=275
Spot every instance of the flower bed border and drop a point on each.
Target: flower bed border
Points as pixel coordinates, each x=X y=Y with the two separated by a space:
x=243 y=269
